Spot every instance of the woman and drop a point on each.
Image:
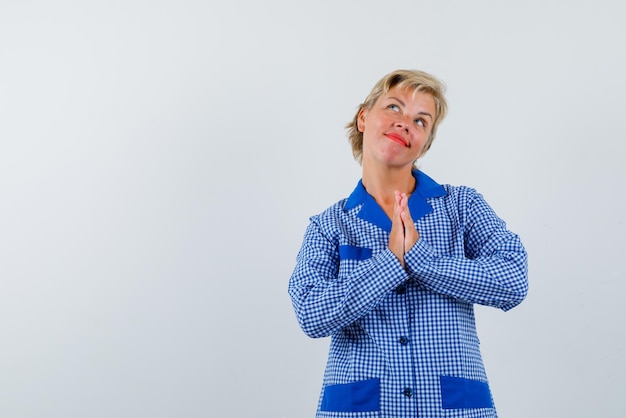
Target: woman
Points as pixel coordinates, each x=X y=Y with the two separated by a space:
x=391 y=273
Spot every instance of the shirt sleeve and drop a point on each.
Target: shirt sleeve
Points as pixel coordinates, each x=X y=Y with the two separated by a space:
x=325 y=302
x=493 y=271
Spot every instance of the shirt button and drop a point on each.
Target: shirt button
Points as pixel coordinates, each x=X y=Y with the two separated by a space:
x=407 y=392
x=401 y=290
x=403 y=340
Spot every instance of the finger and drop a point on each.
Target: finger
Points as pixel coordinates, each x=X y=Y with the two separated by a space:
x=397 y=239
x=397 y=205
x=396 y=236
x=398 y=200
x=405 y=207
x=410 y=232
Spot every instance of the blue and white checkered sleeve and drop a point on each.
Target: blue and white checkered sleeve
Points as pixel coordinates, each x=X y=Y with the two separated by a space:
x=493 y=271
x=323 y=301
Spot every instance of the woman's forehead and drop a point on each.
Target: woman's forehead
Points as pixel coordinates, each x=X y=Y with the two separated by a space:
x=408 y=93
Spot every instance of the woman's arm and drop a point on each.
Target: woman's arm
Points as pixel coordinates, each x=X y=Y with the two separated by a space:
x=324 y=302
x=493 y=271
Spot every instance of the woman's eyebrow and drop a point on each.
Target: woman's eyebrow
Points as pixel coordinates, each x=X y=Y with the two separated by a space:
x=402 y=103
x=398 y=100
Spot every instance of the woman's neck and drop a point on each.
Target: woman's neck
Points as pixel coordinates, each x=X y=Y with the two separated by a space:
x=381 y=183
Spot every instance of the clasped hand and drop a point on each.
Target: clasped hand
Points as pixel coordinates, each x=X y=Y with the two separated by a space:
x=403 y=233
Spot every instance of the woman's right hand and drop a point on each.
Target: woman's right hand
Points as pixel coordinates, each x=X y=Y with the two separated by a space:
x=396 y=237
x=403 y=233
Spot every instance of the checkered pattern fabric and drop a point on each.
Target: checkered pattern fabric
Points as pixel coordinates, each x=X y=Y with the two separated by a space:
x=401 y=330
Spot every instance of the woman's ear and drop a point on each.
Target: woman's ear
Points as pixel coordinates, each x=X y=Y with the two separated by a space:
x=360 y=120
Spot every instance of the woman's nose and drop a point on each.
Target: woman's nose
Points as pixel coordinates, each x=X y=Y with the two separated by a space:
x=402 y=122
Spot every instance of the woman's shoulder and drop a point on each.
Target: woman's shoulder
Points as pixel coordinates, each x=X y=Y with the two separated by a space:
x=430 y=188
x=329 y=222
x=460 y=197
x=465 y=201
x=459 y=191
x=332 y=214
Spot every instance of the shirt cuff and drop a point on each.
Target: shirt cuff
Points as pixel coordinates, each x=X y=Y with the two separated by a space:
x=418 y=256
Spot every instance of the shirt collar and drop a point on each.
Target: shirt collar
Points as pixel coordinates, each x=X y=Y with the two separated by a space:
x=371 y=212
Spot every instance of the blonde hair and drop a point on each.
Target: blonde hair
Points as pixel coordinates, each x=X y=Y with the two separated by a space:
x=419 y=81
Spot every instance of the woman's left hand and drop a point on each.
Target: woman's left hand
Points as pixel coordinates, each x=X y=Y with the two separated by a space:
x=410 y=232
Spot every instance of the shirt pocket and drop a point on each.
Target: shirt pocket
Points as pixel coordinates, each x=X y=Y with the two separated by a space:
x=351 y=257
x=360 y=396
x=352 y=252
x=460 y=393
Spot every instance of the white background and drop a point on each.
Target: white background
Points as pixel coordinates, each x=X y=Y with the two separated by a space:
x=159 y=161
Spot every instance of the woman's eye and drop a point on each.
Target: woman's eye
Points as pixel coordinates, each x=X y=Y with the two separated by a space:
x=420 y=122
x=394 y=107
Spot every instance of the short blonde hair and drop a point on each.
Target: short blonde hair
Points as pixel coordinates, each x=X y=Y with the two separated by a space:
x=419 y=81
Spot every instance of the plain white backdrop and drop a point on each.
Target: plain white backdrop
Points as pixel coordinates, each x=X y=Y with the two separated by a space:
x=159 y=161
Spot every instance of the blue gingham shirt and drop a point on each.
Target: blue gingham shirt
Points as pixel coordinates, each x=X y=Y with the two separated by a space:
x=403 y=340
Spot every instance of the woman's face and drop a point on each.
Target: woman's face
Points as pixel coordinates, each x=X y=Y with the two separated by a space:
x=397 y=127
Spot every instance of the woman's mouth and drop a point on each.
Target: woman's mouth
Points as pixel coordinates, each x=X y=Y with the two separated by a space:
x=397 y=138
